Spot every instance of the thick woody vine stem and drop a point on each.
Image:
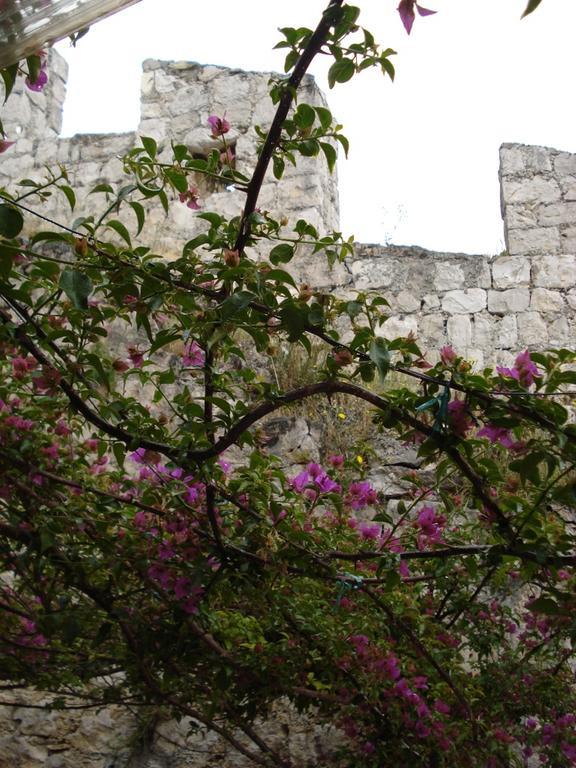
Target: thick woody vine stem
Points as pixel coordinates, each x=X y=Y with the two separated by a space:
x=315 y=43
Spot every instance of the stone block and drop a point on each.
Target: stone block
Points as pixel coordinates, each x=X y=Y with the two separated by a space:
x=430 y=301
x=506 y=336
x=568 y=239
x=544 y=300
x=538 y=239
x=510 y=271
x=532 y=330
x=464 y=302
x=459 y=329
x=568 y=186
x=565 y=164
x=512 y=300
x=558 y=213
x=482 y=331
x=521 y=159
x=405 y=302
x=571 y=299
x=560 y=333
x=536 y=189
x=396 y=327
x=147 y=84
x=374 y=273
x=448 y=276
x=522 y=216
x=555 y=271
x=432 y=331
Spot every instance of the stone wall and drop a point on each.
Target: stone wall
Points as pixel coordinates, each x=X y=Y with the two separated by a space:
x=176 y=100
x=487 y=306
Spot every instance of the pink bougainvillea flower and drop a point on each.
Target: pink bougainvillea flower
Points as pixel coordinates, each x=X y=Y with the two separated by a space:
x=136 y=357
x=193 y=356
x=447 y=355
x=369 y=530
x=496 y=435
x=459 y=417
x=227 y=157
x=4 y=145
x=190 y=198
x=524 y=371
x=37 y=84
x=218 y=125
x=407 y=13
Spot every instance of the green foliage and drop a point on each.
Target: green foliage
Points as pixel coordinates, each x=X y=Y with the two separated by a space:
x=158 y=554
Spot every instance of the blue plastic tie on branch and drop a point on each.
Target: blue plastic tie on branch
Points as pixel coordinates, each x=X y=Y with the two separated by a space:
x=348 y=583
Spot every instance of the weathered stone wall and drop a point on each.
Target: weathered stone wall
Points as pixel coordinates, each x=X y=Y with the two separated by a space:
x=176 y=100
x=488 y=306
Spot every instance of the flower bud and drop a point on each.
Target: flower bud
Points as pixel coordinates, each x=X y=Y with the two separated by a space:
x=342 y=357
x=231 y=258
x=81 y=246
x=306 y=292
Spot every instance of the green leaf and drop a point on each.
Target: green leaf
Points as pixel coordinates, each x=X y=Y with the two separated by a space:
x=305 y=116
x=138 y=209
x=353 y=309
x=544 y=605
x=77 y=286
x=119 y=450
x=280 y=276
x=324 y=116
x=70 y=196
x=6 y=259
x=9 y=77
x=106 y=188
x=340 y=72
x=176 y=178
x=330 y=153
x=120 y=229
x=235 y=303
x=380 y=355
x=278 y=166
x=309 y=148
x=11 y=221
x=150 y=146
x=282 y=254
x=531 y=7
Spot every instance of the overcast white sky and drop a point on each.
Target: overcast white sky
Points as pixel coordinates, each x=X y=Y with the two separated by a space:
x=423 y=166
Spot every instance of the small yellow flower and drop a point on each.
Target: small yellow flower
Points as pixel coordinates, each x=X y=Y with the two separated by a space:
x=359 y=460
x=341 y=415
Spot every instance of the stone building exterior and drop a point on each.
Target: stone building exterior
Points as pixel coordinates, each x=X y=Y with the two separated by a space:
x=489 y=307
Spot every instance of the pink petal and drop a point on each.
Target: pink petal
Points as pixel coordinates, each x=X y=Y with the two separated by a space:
x=406 y=11
x=424 y=11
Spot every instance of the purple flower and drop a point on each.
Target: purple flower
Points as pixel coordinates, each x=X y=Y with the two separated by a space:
x=447 y=355
x=407 y=14
x=218 y=125
x=458 y=417
x=369 y=530
x=300 y=481
x=496 y=435
x=37 y=84
x=4 y=145
x=193 y=355
x=524 y=370
x=360 y=643
x=360 y=495
x=190 y=198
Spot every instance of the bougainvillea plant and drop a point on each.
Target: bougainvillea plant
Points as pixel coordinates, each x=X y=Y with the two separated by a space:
x=142 y=566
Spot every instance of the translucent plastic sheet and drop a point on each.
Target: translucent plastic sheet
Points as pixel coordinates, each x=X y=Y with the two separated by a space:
x=26 y=25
